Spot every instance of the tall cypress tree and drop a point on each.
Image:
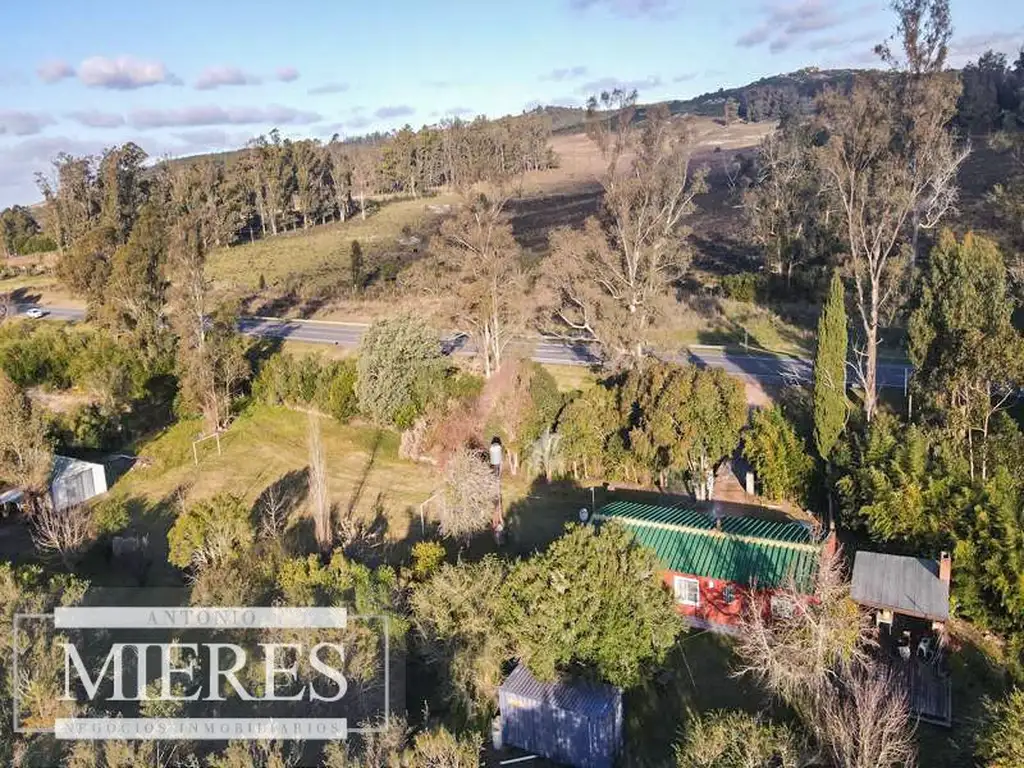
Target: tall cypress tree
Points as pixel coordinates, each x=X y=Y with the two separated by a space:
x=830 y=405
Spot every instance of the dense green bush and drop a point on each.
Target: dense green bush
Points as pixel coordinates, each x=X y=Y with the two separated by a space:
x=39 y=355
x=401 y=370
x=34 y=244
x=1001 y=739
x=778 y=455
x=90 y=427
x=57 y=357
x=311 y=381
x=742 y=287
x=734 y=739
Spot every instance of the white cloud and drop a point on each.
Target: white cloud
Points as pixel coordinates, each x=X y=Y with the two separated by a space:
x=54 y=70
x=123 y=73
x=566 y=73
x=287 y=74
x=787 y=23
x=399 y=110
x=20 y=161
x=328 y=88
x=964 y=49
x=215 y=77
x=629 y=8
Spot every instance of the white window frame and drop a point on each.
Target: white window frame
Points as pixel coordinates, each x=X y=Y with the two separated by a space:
x=679 y=587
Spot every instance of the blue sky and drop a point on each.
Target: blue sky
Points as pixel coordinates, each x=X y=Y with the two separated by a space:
x=189 y=77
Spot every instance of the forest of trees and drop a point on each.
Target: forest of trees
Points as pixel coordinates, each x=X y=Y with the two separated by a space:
x=277 y=184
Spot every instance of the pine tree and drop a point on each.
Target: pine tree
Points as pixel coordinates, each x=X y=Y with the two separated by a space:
x=830 y=405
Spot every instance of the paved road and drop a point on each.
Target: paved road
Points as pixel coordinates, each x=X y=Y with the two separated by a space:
x=54 y=313
x=764 y=367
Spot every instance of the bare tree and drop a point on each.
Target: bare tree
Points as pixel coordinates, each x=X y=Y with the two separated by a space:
x=867 y=721
x=890 y=164
x=211 y=363
x=792 y=651
x=470 y=495
x=815 y=652
x=319 y=498
x=273 y=512
x=785 y=203
x=66 y=532
x=605 y=282
x=488 y=284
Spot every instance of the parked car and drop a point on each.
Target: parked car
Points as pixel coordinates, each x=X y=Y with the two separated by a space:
x=35 y=313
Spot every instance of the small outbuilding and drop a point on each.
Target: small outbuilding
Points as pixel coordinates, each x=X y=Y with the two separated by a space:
x=909 y=599
x=900 y=585
x=577 y=723
x=75 y=481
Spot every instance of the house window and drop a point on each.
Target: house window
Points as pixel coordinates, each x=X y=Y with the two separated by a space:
x=729 y=593
x=687 y=590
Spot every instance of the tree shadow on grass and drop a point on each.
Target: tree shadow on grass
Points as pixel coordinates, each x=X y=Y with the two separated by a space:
x=697 y=676
x=278 y=501
x=357 y=492
x=23 y=296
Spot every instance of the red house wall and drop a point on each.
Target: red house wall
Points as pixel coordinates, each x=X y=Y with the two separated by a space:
x=713 y=607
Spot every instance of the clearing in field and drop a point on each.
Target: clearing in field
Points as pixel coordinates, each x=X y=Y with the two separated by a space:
x=314 y=264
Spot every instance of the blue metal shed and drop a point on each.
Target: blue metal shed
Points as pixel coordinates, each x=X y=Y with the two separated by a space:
x=576 y=723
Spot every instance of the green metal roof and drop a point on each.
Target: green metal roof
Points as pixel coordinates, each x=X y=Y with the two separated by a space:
x=744 y=550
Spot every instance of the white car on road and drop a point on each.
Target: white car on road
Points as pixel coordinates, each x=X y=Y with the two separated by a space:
x=35 y=313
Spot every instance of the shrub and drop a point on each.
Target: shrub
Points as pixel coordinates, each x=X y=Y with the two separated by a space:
x=427 y=558
x=111 y=516
x=400 y=370
x=742 y=287
x=210 y=532
x=60 y=358
x=35 y=244
x=778 y=455
x=1001 y=740
x=90 y=427
x=309 y=381
x=726 y=739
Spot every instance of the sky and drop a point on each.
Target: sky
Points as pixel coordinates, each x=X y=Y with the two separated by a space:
x=189 y=77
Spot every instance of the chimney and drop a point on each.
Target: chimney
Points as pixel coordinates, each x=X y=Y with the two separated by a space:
x=945 y=567
x=718 y=523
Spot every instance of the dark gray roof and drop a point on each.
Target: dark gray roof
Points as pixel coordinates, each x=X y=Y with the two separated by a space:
x=579 y=696
x=907 y=585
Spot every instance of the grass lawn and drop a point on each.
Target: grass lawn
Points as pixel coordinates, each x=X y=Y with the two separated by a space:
x=572 y=377
x=697 y=676
x=327 y=351
x=45 y=290
x=323 y=249
x=268 y=445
